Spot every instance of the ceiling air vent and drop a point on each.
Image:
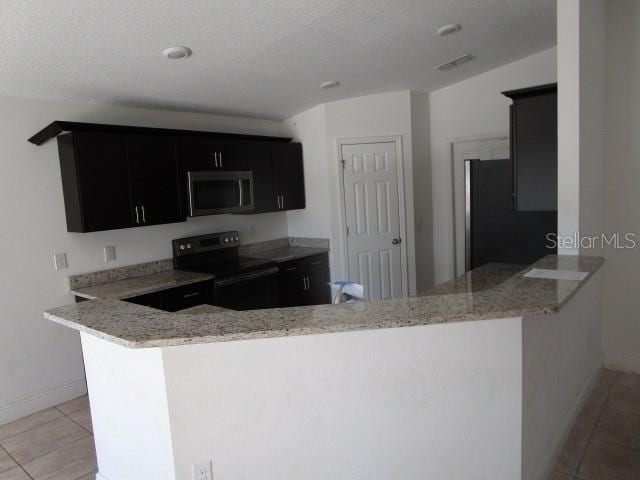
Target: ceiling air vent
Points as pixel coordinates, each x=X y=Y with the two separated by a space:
x=455 y=62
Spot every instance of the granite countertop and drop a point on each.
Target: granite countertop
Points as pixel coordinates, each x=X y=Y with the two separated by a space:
x=133 y=287
x=492 y=291
x=285 y=254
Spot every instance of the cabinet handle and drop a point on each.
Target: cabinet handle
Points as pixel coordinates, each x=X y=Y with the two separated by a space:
x=220 y=159
x=137 y=216
x=282 y=197
x=144 y=218
x=189 y=295
x=304 y=283
x=291 y=269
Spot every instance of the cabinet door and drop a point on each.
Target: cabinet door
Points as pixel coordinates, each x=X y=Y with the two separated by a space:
x=153 y=300
x=264 y=184
x=287 y=161
x=319 y=291
x=231 y=154
x=103 y=178
x=534 y=144
x=293 y=291
x=154 y=179
x=188 y=296
x=196 y=154
x=205 y=153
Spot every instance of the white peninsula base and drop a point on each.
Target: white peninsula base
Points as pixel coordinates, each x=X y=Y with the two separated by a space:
x=453 y=401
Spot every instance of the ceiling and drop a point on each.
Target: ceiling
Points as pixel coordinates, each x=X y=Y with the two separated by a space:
x=251 y=57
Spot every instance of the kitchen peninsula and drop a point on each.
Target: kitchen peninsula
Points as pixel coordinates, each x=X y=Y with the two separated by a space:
x=281 y=393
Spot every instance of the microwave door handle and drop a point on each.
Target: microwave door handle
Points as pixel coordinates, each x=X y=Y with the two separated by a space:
x=241 y=191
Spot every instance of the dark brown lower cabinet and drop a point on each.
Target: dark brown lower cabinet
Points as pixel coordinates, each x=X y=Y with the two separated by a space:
x=178 y=298
x=305 y=281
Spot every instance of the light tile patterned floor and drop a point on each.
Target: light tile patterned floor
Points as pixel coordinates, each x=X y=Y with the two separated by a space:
x=54 y=444
x=604 y=443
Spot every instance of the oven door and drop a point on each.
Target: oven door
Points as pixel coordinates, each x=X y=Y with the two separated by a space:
x=212 y=193
x=248 y=291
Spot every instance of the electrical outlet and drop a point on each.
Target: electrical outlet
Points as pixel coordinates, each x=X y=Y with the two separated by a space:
x=202 y=470
x=110 y=253
x=60 y=261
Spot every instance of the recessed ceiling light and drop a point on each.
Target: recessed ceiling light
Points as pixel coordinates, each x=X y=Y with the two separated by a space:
x=455 y=62
x=330 y=84
x=449 y=29
x=176 y=53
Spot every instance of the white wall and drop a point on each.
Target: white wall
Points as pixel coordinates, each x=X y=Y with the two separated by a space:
x=139 y=404
x=310 y=129
x=472 y=109
x=405 y=403
x=568 y=27
x=581 y=95
x=562 y=356
x=369 y=116
x=40 y=362
x=622 y=152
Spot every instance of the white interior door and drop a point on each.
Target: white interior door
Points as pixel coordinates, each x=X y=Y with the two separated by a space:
x=372 y=212
x=488 y=149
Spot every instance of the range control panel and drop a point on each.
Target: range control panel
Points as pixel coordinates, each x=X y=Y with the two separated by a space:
x=205 y=243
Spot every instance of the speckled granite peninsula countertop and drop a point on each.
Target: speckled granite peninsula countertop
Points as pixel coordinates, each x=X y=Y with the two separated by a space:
x=492 y=291
x=132 y=287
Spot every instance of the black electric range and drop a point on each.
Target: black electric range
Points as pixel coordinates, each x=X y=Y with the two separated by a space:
x=240 y=283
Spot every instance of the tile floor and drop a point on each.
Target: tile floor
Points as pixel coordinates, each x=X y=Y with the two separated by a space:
x=604 y=443
x=54 y=444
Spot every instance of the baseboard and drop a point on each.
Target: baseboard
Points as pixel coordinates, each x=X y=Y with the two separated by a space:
x=625 y=363
x=41 y=401
x=546 y=467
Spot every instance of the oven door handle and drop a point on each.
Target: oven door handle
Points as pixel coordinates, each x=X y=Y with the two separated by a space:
x=246 y=276
x=241 y=192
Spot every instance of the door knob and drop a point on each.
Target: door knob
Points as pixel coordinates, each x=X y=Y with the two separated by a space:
x=396 y=241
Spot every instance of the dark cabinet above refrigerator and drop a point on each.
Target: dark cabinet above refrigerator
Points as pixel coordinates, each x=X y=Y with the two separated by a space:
x=534 y=148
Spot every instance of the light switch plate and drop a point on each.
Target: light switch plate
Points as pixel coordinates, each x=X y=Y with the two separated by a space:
x=202 y=470
x=110 y=253
x=60 y=261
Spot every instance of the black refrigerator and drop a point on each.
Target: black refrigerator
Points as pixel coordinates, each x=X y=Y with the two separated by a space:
x=495 y=231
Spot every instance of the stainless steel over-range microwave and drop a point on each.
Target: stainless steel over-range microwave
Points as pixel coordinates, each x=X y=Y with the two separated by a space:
x=212 y=193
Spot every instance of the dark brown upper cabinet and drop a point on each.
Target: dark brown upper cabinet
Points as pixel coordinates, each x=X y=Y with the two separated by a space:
x=154 y=174
x=289 y=173
x=120 y=177
x=278 y=176
x=113 y=181
x=534 y=148
x=203 y=154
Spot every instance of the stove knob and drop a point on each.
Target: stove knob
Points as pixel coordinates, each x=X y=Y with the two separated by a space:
x=237 y=238
x=226 y=239
x=181 y=247
x=188 y=245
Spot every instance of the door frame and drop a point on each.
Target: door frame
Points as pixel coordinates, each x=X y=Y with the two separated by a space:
x=397 y=140
x=453 y=256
